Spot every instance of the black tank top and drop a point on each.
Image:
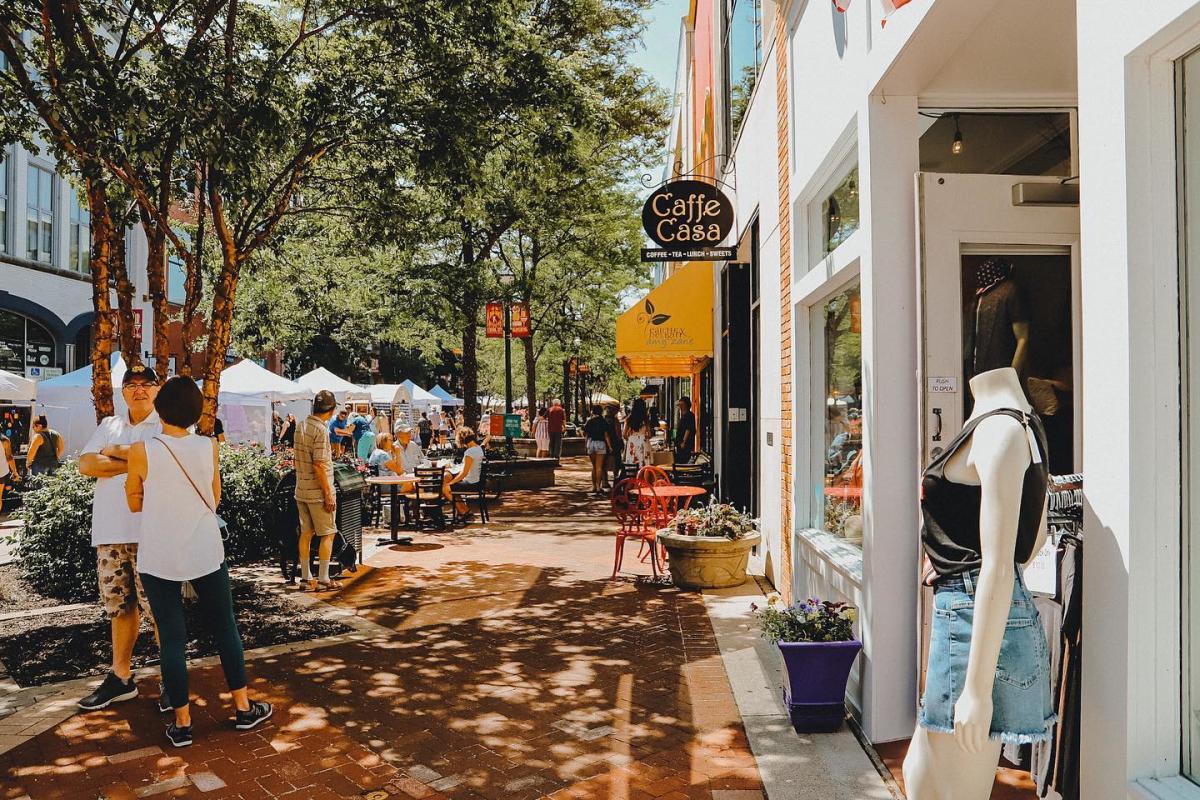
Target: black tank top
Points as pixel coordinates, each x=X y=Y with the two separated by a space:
x=951 y=510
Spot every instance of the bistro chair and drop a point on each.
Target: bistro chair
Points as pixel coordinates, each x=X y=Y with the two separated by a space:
x=374 y=508
x=637 y=518
x=651 y=475
x=427 y=502
x=699 y=475
x=477 y=494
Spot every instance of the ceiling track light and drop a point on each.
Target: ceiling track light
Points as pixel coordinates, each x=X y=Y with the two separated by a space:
x=956 y=147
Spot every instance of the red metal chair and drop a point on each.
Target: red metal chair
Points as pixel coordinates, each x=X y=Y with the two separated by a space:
x=652 y=475
x=640 y=515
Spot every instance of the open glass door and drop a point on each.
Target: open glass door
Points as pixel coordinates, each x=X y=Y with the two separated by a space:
x=998 y=286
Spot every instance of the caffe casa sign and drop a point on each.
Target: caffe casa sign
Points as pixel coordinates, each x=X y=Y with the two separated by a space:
x=688 y=220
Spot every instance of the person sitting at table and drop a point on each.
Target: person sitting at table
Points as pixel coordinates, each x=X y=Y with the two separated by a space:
x=384 y=457
x=467 y=475
x=411 y=454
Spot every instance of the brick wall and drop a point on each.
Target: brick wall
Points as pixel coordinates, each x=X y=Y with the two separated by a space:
x=785 y=305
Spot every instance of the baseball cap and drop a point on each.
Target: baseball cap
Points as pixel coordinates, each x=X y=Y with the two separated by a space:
x=324 y=401
x=141 y=371
x=404 y=428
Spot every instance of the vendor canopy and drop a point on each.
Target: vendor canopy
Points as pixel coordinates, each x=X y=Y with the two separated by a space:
x=248 y=379
x=345 y=391
x=386 y=394
x=446 y=398
x=15 y=389
x=668 y=333
x=418 y=396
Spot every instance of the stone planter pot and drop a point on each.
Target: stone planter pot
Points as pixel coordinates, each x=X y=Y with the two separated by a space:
x=815 y=690
x=699 y=562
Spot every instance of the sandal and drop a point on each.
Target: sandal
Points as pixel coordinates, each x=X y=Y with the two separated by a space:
x=309 y=585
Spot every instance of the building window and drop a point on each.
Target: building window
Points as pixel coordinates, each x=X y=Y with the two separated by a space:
x=24 y=344
x=743 y=60
x=3 y=204
x=838 y=212
x=838 y=333
x=176 y=281
x=39 y=236
x=80 y=235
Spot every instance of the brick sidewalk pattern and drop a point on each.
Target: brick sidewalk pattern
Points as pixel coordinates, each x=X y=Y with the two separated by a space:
x=507 y=666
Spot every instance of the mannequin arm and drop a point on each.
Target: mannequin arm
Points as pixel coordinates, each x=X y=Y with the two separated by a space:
x=1021 y=354
x=999 y=456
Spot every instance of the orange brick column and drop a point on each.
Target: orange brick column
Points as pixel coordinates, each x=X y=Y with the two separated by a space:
x=785 y=304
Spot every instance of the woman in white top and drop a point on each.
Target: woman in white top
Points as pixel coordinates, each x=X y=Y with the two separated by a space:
x=174 y=485
x=467 y=476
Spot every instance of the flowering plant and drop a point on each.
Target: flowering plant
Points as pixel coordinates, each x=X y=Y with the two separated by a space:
x=716 y=520
x=810 y=621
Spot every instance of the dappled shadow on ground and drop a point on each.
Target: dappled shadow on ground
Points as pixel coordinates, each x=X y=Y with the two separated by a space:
x=494 y=672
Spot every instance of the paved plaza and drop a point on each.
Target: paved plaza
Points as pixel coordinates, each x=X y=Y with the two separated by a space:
x=496 y=661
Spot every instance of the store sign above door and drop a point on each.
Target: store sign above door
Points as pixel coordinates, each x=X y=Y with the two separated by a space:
x=688 y=220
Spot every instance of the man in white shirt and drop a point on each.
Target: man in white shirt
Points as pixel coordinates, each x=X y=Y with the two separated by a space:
x=115 y=530
x=410 y=453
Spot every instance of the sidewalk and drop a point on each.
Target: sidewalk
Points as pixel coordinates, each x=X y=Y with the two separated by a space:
x=492 y=662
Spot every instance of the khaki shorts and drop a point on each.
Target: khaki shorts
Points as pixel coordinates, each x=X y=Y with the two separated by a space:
x=314 y=517
x=120 y=585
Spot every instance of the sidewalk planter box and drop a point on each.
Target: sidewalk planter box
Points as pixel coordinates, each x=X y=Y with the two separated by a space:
x=707 y=562
x=526 y=473
x=815 y=690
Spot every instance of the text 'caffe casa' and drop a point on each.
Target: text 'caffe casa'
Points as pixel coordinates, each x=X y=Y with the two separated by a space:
x=688 y=220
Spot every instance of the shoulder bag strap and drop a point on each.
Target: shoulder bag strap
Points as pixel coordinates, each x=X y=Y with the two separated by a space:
x=199 y=494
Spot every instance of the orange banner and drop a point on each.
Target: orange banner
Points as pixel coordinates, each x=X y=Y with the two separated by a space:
x=520 y=321
x=495 y=320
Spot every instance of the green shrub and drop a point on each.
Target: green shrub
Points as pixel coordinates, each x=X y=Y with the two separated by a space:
x=54 y=552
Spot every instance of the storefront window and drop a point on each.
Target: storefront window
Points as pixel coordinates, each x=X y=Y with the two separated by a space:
x=80 y=235
x=839 y=213
x=842 y=445
x=23 y=344
x=743 y=58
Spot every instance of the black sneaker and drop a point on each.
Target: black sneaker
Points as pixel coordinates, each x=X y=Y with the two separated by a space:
x=112 y=690
x=258 y=713
x=164 y=702
x=180 y=737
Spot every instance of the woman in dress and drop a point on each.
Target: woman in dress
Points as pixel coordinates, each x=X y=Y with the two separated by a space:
x=637 y=435
x=174 y=486
x=541 y=433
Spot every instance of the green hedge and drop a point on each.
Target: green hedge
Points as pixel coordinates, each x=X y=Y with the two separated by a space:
x=54 y=552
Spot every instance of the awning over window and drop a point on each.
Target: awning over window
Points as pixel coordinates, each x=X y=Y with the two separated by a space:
x=668 y=333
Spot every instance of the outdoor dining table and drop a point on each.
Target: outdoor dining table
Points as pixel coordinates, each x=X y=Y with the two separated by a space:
x=395 y=482
x=672 y=495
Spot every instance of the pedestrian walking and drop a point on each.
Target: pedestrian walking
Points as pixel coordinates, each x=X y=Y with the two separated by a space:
x=685 y=431
x=116 y=532
x=174 y=488
x=366 y=440
x=556 y=419
x=425 y=430
x=315 y=498
x=541 y=433
x=45 y=448
x=616 y=442
x=637 y=435
x=598 y=444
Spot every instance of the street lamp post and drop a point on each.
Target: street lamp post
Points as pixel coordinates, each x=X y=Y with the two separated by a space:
x=506 y=279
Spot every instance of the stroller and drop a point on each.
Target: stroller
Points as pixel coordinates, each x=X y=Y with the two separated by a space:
x=285 y=523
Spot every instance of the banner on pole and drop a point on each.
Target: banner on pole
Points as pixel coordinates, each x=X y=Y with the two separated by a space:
x=495 y=321
x=519 y=321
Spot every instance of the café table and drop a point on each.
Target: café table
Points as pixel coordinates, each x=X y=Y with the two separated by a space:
x=395 y=482
x=671 y=494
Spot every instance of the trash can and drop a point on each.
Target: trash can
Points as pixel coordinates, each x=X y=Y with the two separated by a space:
x=351 y=488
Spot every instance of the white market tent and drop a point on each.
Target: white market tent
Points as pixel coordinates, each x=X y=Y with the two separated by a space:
x=446 y=398
x=345 y=391
x=385 y=395
x=420 y=398
x=248 y=379
x=16 y=389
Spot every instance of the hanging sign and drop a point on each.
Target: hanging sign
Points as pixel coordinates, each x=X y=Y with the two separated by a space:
x=519 y=321
x=495 y=320
x=688 y=220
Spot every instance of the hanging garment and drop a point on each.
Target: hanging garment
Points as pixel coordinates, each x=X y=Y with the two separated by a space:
x=992 y=343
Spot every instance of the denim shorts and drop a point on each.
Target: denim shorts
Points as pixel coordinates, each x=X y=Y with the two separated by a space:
x=1022 y=703
x=596 y=448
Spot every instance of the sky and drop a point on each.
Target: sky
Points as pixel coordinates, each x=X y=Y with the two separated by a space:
x=660 y=42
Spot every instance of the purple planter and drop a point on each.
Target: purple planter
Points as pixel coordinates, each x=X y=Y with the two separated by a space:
x=815 y=692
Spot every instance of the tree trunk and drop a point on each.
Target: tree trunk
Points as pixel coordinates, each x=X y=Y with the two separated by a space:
x=156 y=260
x=530 y=375
x=102 y=325
x=131 y=348
x=220 y=329
x=470 y=367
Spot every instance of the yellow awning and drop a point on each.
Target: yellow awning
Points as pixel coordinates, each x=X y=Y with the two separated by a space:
x=669 y=333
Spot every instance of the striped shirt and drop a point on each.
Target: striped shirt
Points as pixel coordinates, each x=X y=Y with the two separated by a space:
x=312 y=453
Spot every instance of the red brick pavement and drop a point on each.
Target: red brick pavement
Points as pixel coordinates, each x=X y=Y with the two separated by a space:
x=511 y=668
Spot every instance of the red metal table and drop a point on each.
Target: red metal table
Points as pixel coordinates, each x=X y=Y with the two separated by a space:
x=671 y=494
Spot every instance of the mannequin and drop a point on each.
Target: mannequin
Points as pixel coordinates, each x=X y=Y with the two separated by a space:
x=962 y=765
x=999 y=334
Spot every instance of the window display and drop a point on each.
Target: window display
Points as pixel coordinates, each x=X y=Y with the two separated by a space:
x=842 y=451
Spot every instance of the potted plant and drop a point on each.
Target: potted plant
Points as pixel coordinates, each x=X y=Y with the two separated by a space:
x=816 y=640
x=709 y=546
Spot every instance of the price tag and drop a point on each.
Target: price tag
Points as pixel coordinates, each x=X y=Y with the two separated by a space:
x=943 y=384
x=1041 y=575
